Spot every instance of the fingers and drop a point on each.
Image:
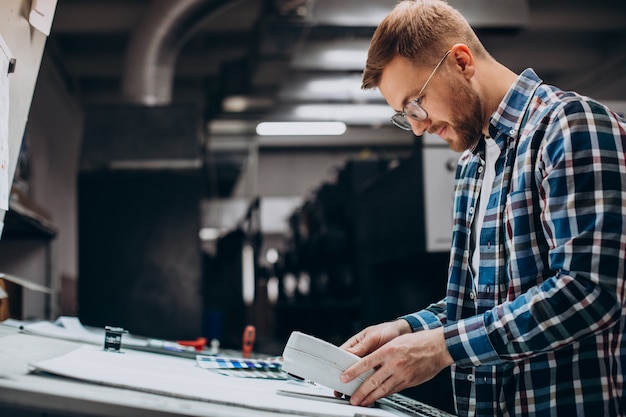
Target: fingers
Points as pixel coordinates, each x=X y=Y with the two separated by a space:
x=371 y=384
x=354 y=340
x=407 y=360
x=371 y=338
x=377 y=386
x=362 y=365
x=359 y=344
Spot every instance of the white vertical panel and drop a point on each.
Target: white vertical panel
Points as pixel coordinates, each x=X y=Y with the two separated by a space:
x=27 y=47
x=439 y=168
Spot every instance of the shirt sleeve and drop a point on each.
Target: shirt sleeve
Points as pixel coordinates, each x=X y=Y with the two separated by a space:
x=580 y=178
x=432 y=317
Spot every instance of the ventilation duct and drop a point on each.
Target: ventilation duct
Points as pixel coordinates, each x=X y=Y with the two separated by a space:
x=154 y=46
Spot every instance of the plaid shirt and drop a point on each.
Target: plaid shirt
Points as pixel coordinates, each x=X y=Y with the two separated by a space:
x=542 y=332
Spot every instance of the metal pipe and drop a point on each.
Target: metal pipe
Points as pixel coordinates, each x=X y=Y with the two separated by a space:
x=154 y=47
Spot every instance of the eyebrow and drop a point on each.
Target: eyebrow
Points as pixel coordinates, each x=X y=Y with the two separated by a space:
x=406 y=101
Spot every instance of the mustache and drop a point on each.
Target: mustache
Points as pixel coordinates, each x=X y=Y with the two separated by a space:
x=434 y=128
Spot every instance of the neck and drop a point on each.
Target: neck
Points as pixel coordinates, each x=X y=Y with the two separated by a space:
x=494 y=81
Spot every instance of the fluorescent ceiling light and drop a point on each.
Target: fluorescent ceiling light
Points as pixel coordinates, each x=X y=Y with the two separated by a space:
x=230 y=127
x=331 y=85
x=301 y=128
x=340 y=54
x=343 y=111
x=235 y=104
x=345 y=56
x=240 y=104
x=210 y=233
x=327 y=88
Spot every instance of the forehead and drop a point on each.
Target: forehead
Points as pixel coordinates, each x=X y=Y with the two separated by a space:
x=399 y=81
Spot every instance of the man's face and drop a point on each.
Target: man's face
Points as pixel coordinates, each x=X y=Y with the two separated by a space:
x=453 y=107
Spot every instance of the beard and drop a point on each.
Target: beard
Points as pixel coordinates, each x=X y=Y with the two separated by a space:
x=468 y=122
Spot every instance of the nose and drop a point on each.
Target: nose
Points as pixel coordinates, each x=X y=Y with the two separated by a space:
x=419 y=127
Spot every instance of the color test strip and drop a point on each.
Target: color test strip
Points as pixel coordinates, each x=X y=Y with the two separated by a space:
x=214 y=362
x=254 y=373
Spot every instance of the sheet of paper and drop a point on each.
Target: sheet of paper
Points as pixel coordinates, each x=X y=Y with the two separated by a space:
x=5 y=58
x=70 y=328
x=181 y=378
x=13 y=323
x=71 y=324
x=41 y=15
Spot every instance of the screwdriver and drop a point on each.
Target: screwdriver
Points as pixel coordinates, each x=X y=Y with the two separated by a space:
x=249 y=334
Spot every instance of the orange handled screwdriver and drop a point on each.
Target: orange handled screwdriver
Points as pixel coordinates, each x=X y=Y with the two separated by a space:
x=249 y=334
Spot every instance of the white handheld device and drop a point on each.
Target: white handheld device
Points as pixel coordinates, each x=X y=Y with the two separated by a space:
x=319 y=361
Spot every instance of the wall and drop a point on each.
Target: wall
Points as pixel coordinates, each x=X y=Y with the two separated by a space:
x=286 y=173
x=54 y=132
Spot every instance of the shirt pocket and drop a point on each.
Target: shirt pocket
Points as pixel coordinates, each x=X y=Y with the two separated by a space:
x=523 y=240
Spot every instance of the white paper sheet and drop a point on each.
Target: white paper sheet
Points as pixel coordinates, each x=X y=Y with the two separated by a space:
x=181 y=378
x=41 y=15
x=70 y=328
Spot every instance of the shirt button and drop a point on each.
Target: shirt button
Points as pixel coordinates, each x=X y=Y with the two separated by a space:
x=480 y=169
x=512 y=132
x=470 y=378
x=471 y=210
x=472 y=295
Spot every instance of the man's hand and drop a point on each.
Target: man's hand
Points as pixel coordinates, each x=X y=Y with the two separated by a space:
x=404 y=361
x=373 y=337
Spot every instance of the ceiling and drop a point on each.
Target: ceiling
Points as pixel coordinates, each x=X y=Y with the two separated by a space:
x=247 y=61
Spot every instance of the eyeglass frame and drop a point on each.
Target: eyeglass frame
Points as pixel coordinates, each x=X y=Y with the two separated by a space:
x=400 y=117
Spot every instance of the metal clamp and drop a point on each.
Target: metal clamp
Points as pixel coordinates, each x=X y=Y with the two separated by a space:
x=113 y=338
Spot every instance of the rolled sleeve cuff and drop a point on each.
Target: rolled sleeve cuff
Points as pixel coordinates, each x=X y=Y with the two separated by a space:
x=469 y=344
x=422 y=320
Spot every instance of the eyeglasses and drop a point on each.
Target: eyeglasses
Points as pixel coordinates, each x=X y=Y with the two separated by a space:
x=413 y=108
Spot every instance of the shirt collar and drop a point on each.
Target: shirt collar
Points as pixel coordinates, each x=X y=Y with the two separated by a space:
x=507 y=119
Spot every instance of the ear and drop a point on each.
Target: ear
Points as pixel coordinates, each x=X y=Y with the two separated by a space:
x=464 y=59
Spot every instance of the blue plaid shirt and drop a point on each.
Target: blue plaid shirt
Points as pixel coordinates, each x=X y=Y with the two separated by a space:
x=542 y=332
